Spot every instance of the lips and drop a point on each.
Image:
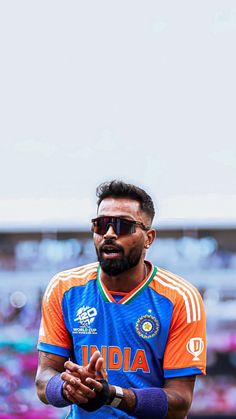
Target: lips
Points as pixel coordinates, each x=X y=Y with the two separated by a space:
x=110 y=251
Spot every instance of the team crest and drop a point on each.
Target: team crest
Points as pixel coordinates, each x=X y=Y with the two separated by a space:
x=147 y=326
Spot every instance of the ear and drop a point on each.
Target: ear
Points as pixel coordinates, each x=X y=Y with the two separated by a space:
x=151 y=235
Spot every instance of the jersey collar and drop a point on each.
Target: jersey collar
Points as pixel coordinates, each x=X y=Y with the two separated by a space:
x=132 y=294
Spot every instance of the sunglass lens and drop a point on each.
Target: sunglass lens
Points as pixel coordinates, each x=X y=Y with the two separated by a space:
x=100 y=225
x=126 y=227
x=121 y=227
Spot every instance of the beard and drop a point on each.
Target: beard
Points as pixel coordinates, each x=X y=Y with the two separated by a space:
x=116 y=267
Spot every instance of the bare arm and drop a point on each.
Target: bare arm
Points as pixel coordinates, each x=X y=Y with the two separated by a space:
x=179 y=393
x=48 y=365
x=51 y=364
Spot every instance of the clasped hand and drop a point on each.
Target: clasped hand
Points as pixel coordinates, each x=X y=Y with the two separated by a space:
x=81 y=385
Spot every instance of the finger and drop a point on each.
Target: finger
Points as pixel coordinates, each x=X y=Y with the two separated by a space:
x=75 y=396
x=74 y=373
x=88 y=389
x=71 y=366
x=104 y=374
x=101 y=372
x=75 y=393
x=84 y=373
x=81 y=390
x=69 y=378
x=92 y=361
x=77 y=370
x=94 y=384
x=99 y=363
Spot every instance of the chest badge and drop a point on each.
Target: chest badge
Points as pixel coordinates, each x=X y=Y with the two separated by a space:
x=85 y=317
x=147 y=326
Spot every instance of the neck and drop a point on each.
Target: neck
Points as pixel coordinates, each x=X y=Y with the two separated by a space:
x=126 y=281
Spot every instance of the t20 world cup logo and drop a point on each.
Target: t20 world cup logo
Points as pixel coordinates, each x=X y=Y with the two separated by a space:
x=86 y=315
x=195 y=347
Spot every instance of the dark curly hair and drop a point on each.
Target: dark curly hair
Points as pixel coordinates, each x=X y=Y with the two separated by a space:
x=119 y=189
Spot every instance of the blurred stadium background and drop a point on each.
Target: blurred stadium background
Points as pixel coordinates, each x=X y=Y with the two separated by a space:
x=92 y=91
x=207 y=257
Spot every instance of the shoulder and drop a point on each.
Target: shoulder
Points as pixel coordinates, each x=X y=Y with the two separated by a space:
x=183 y=295
x=63 y=281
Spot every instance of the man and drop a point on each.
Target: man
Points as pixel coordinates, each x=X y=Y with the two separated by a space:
x=143 y=324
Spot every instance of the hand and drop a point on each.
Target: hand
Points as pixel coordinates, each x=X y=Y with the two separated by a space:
x=94 y=369
x=83 y=393
x=80 y=384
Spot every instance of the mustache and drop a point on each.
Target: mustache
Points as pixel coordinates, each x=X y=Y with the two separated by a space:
x=110 y=242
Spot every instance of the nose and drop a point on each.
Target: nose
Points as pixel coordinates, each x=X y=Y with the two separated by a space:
x=110 y=233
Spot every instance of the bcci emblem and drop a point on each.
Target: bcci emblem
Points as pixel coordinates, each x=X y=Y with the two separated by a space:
x=147 y=326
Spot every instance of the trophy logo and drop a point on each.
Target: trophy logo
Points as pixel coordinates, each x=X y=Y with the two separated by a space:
x=195 y=347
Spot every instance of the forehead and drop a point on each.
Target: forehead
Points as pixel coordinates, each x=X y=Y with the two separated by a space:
x=120 y=207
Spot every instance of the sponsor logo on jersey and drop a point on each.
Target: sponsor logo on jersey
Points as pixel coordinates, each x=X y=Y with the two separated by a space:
x=117 y=358
x=195 y=347
x=147 y=326
x=85 y=316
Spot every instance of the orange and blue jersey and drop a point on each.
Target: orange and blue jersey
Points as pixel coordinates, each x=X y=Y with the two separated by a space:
x=155 y=332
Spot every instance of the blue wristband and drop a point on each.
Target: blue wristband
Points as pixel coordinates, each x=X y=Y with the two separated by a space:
x=150 y=403
x=54 y=392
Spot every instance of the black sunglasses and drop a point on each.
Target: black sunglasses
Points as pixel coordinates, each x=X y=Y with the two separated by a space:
x=121 y=226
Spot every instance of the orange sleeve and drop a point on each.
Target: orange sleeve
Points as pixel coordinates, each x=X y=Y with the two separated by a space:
x=53 y=334
x=185 y=352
